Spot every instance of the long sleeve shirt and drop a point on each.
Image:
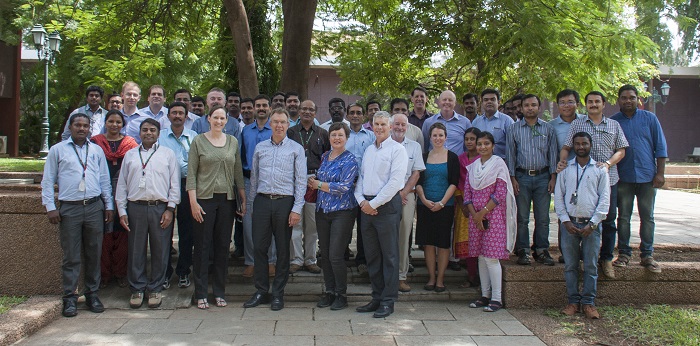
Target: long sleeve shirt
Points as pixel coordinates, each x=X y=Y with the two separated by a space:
x=159 y=180
x=456 y=126
x=531 y=147
x=180 y=145
x=646 y=144
x=279 y=169
x=64 y=166
x=358 y=143
x=592 y=195
x=315 y=142
x=213 y=169
x=607 y=139
x=97 y=121
x=340 y=175
x=498 y=125
x=382 y=173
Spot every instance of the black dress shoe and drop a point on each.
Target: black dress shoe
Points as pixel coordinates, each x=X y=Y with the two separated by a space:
x=326 y=301
x=369 y=307
x=257 y=299
x=340 y=302
x=277 y=303
x=70 y=308
x=383 y=311
x=237 y=253
x=94 y=303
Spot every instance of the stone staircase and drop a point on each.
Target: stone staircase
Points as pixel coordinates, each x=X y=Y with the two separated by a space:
x=682 y=177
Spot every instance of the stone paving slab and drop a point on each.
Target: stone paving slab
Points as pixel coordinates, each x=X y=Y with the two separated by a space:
x=168 y=326
x=470 y=327
x=508 y=340
x=388 y=326
x=263 y=312
x=227 y=327
x=327 y=328
x=355 y=340
x=273 y=340
x=435 y=340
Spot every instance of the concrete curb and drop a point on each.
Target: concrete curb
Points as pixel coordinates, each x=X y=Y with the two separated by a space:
x=28 y=317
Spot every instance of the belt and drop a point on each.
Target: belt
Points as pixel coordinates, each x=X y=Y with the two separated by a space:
x=273 y=196
x=246 y=173
x=581 y=220
x=369 y=198
x=82 y=202
x=532 y=172
x=149 y=203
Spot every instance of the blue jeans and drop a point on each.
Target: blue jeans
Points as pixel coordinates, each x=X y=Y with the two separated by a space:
x=645 y=194
x=533 y=190
x=575 y=247
x=609 y=228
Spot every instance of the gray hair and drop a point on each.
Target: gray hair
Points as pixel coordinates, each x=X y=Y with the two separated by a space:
x=385 y=115
x=394 y=117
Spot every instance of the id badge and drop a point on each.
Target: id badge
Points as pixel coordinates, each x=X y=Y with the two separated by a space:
x=81 y=186
x=142 y=182
x=574 y=199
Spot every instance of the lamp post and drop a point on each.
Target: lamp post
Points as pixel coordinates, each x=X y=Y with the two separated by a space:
x=47 y=47
x=655 y=96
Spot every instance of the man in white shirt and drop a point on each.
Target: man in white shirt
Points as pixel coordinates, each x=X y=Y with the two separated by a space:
x=377 y=192
x=148 y=191
x=336 y=108
x=415 y=165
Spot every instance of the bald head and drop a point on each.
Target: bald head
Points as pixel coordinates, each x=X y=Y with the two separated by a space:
x=446 y=102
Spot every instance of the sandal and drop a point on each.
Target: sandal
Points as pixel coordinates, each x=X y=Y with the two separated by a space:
x=202 y=304
x=622 y=260
x=493 y=306
x=220 y=302
x=479 y=303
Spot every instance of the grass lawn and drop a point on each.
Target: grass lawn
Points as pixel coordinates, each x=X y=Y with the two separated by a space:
x=21 y=165
x=8 y=302
x=648 y=325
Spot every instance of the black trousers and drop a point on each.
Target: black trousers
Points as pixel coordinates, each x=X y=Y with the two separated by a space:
x=271 y=219
x=381 y=240
x=334 y=231
x=216 y=229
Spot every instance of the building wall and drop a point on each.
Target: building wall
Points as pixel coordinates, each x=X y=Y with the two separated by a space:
x=323 y=86
x=9 y=95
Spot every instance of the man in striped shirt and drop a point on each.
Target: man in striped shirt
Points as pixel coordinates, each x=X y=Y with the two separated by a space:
x=531 y=146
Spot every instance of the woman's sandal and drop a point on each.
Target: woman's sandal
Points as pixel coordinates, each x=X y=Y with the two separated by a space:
x=493 y=306
x=479 y=303
x=220 y=302
x=202 y=304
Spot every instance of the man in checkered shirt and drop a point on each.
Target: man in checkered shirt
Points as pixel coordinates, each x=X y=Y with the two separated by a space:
x=608 y=149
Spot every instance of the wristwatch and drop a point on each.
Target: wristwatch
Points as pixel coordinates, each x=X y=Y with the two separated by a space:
x=593 y=226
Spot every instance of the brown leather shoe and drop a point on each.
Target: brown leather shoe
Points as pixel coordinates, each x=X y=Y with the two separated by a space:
x=591 y=312
x=403 y=286
x=271 y=270
x=248 y=272
x=293 y=268
x=571 y=309
x=313 y=268
x=608 y=269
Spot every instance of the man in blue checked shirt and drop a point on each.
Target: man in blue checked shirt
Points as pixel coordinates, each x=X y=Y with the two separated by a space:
x=531 y=145
x=581 y=201
x=493 y=121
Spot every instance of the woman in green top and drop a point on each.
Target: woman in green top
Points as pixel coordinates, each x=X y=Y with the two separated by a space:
x=214 y=166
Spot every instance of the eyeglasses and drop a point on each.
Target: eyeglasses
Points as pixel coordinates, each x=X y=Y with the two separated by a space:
x=567 y=103
x=336 y=107
x=182 y=100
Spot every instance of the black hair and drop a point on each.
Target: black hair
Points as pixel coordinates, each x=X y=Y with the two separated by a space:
x=354 y=104
x=567 y=92
x=291 y=93
x=180 y=91
x=151 y=121
x=583 y=134
x=529 y=96
x=197 y=99
x=595 y=93
x=262 y=97
x=474 y=130
x=334 y=100
x=468 y=96
x=486 y=134
x=374 y=102
x=247 y=99
x=627 y=87
x=397 y=100
x=93 y=88
x=491 y=91
x=177 y=104
x=419 y=88
x=118 y=112
x=78 y=115
x=234 y=94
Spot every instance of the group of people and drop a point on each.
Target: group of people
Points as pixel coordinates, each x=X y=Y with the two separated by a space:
x=299 y=186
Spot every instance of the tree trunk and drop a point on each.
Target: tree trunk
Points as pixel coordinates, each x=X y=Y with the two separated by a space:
x=238 y=22
x=296 y=44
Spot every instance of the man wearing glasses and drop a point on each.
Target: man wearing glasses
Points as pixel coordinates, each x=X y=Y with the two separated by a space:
x=531 y=147
x=114 y=101
x=607 y=150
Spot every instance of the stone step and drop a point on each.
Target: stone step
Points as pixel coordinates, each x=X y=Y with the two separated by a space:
x=682 y=170
x=18 y=181
x=34 y=176
x=21 y=187
x=682 y=181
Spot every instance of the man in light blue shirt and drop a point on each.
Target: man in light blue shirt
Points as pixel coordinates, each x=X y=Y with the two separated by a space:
x=455 y=123
x=493 y=121
x=568 y=101
x=131 y=94
x=156 y=102
x=85 y=195
x=581 y=201
x=92 y=108
x=178 y=138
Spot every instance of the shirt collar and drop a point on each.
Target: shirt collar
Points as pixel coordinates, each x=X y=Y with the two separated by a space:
x=524 y=123
x=586 y=118
x=154 y=147
x=455 y=116
x=282 y=142
x=70 y=140
x=573 y=162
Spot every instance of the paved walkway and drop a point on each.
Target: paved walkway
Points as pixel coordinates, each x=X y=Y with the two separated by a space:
x=417 y=323
x=301 y=323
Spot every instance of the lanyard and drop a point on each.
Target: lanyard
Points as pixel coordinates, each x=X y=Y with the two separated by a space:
x=84 y=164
x=143 y=165
x=579 y=179
x=179 y=141
x=308 y=139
